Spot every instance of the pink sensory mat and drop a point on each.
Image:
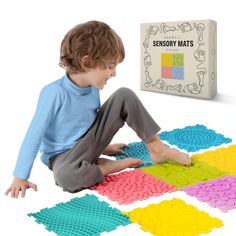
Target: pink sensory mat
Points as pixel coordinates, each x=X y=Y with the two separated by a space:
x=130 y=186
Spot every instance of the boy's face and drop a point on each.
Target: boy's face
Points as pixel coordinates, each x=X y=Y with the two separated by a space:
x=99 y=76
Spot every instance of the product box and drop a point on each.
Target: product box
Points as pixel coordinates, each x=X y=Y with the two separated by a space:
x=180 y=58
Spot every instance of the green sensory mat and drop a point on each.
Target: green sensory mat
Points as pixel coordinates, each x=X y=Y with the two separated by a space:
x=181 y=176
x=85 y=216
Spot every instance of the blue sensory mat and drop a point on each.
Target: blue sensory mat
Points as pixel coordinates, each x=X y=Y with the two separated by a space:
x=138 y=150
x=85 y=216
x=190 y=138
x=194 y=138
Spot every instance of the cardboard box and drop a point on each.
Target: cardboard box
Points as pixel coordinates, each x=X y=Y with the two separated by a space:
x=180 y=58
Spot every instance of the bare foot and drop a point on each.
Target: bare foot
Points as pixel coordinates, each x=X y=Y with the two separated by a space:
x=160 y=153
x=172 y=154
x=109 y=166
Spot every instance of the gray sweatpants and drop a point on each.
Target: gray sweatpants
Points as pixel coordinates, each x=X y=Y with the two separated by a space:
x=75 y=169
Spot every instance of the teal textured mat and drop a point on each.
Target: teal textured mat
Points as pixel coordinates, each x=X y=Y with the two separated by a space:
x=190 y=138
x=136 y=150
x=194 y=138
x=85 y=216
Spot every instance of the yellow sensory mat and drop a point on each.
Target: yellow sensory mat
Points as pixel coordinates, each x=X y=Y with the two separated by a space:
x=173 y=218
x=222 y=158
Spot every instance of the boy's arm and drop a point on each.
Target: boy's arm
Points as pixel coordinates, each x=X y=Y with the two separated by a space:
x=50 y=101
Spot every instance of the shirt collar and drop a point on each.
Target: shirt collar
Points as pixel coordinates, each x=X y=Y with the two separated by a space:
x=76 y=88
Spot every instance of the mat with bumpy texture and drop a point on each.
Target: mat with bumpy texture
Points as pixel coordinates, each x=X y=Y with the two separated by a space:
x=194 y=138
x=136 y=150
x=219 y=193
x=85 y=216
x=180 y=176
x=173 y=218
x=130 y=186
x=222 y=158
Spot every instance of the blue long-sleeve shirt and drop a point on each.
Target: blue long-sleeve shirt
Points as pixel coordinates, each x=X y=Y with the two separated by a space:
x=64 y=113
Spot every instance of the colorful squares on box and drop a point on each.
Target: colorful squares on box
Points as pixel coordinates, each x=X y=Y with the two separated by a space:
x=220 y=193
x=177 y=73
x=173 y=218
x=172 y=66
x=222 y=158
x=166 y=72
x=81 y=216
x=180 y=176
x=166 y=59
x=130 y=186
x=194 y=138
x=178 y=59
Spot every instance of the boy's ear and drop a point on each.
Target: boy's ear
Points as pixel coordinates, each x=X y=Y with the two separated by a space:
x=85 y=63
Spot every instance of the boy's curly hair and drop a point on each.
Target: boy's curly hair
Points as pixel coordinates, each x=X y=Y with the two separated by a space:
x=94 y=39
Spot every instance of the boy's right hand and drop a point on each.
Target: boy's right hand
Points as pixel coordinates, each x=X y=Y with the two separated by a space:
x=20 y=185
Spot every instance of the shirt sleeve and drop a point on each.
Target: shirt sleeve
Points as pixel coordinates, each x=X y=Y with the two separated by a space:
x=49 y=102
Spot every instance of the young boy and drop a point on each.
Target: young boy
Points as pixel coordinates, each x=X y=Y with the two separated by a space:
x=70 y=128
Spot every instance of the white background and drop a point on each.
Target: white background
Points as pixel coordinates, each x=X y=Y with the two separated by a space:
x=31 y=32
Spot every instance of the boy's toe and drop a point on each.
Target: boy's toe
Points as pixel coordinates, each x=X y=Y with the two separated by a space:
x=188 y=162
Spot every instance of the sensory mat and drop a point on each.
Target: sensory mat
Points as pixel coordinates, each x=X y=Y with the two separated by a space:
x=173 y=218
x=130 y=186
x=137 y=150
x=210 y=179
x=85 y=216
x=180 y=176
x=219 y=193
x=223 y=158
x=194 y=138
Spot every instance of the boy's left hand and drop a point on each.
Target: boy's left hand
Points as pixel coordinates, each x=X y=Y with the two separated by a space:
x=115 y=148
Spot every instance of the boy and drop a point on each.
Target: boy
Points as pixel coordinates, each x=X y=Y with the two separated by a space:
x=70 y=128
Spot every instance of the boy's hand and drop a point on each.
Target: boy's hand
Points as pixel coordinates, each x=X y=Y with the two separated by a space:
x=114 y=149
x=20 y=185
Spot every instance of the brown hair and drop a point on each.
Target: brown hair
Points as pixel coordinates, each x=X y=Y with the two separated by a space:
x=93 y=39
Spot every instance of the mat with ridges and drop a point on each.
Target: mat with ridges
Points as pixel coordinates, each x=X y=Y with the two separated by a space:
x=194 y=138
x=223 y=158
x=180 y=176
x=173 y=218
x=219 y=193
x=137 y=150
x=84 y=216
x=130 y=186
